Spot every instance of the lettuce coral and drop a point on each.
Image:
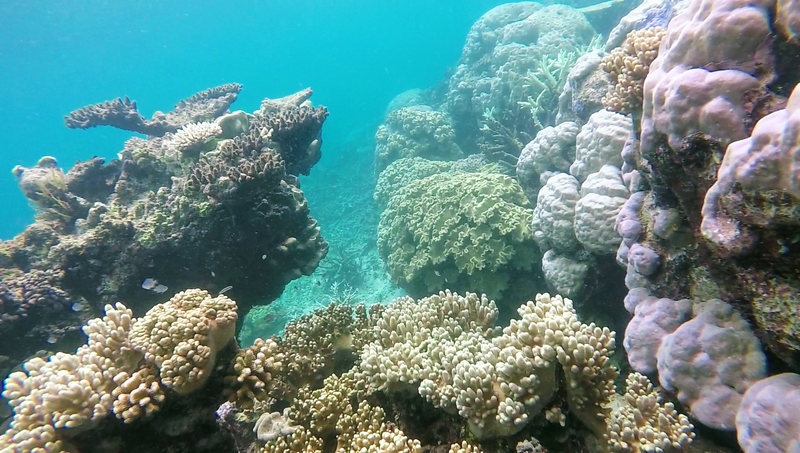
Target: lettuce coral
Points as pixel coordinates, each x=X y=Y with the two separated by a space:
x=467 y=231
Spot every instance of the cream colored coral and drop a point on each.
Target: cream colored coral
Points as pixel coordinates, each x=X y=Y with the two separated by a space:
x=182 y=336
x=627 y=66
x=495 y=382
x=69 y=390
x=641 y=422
x=300 y=441
x=138 y=394
x=193 y=138
x=464 y=447
x=252 y=371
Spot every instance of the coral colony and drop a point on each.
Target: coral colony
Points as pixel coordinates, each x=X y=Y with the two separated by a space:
x=551 y=191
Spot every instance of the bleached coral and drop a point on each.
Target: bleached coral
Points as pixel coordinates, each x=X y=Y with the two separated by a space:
x=602 y=196
x=554 y=216
x=194 y=138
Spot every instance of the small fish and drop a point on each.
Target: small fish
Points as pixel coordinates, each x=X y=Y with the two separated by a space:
x=437 y=273
x=152 y=284
x=213 y=274
x=225 y=290
x=297 y=290
x=77 y=306
x=319 y=283
x=149 y=283
x=263 y=257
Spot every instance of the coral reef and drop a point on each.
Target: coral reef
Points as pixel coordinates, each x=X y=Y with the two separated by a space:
x=231 y=216
x=123 y=114
x=412 y=132
x=469 y=231
x=513 y=66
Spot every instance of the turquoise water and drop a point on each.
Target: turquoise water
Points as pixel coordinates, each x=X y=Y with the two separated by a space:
x=57 y=56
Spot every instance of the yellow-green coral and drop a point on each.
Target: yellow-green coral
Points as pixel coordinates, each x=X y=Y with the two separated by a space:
x=410 y=132
x=627 y=66
x=465 y=231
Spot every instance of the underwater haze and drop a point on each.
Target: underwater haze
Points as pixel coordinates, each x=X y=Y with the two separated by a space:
x=57 y=56
x=400 y=226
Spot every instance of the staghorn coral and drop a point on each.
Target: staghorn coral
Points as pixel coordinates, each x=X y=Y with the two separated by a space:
x=466 y=231
x=182 y=337
x=627 y=67
x=123 y=114
x=415 y=131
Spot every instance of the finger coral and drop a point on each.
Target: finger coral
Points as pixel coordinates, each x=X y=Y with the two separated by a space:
x=182 y=337
x=627 y=67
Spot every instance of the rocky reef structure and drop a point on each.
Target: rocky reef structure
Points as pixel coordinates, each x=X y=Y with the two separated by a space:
x=512 y=69
x=214 y=204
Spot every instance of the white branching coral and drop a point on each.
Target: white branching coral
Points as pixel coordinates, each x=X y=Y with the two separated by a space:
x=194 y=138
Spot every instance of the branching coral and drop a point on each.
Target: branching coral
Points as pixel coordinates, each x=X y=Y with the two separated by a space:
x=644 y=423
x=627 y=67
x=194 y=138
x=469 y=231
x=182 y=337
x=447 y=346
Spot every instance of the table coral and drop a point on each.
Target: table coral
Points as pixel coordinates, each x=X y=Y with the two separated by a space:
x=462 y=230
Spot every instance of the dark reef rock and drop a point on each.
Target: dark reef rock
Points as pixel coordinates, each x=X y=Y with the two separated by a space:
x=235 y=217
x=123 y=114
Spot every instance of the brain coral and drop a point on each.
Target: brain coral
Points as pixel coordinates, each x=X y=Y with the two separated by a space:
x=467 y=231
